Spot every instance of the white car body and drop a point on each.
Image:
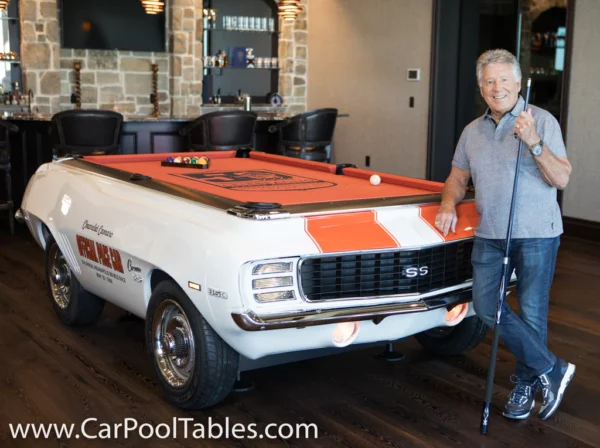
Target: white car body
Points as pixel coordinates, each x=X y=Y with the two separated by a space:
x=210 y=254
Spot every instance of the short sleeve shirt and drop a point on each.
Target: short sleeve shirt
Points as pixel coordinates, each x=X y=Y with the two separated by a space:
x=489 y=151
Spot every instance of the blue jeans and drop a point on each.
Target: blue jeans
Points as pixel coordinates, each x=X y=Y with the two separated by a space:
x=525 y=334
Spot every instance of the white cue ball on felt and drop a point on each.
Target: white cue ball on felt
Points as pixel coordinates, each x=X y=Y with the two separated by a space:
x=375 y=179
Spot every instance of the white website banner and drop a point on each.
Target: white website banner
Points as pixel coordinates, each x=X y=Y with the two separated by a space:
x=178 y=428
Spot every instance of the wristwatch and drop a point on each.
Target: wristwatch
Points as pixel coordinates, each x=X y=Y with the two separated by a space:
x=536 y=149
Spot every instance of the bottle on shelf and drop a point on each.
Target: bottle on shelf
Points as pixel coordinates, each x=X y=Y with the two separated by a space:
x=249 y=58
x=225 y=59
x=16 y=93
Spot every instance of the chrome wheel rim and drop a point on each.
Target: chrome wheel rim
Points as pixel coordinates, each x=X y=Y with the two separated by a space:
x=173 y=344
x=60 y=278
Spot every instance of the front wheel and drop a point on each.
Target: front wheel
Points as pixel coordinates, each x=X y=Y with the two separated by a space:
x=71 y=302
x=194 y=367
x=454 y=340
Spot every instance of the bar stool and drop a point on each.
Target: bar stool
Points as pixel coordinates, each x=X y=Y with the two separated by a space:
x=86 y=131
x=307 y=136
x=5 y=130
x=217 y=131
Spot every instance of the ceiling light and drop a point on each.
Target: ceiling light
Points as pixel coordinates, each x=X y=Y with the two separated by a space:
x=289 y=9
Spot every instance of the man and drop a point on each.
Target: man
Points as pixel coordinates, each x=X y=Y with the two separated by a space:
x=487 y=152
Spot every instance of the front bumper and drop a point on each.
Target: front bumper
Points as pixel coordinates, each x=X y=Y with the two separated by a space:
x=250 y=321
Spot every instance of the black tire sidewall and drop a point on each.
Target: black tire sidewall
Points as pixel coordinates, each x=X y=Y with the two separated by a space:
x=464 y=336
x=187 y=396
x=72 y=314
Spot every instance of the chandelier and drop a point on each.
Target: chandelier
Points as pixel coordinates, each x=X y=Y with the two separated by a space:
x=151 y=6
x=4 y=4
x=289 y=9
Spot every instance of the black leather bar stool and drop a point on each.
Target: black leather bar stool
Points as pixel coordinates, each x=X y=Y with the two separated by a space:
x=307 y=136
x=86 y=131
x=217 y=131
x=7 y=203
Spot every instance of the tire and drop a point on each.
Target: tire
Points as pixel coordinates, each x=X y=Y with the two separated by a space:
x=454 y=340
x=193 y=366
x=72 y=304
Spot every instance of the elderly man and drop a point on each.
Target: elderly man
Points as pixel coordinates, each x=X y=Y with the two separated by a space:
x=487 y=152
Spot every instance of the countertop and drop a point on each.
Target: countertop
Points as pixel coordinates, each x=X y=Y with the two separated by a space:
x=264 y=112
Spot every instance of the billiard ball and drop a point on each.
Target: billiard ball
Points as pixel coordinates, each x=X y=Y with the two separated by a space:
x=177 y=160
x=375 y=179
x=170 y=159
x=187 y=160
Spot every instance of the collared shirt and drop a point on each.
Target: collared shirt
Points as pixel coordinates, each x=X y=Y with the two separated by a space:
x=489 y=151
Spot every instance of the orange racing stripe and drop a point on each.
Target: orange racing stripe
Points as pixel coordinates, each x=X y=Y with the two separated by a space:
x=468 y=219
x=348 y=232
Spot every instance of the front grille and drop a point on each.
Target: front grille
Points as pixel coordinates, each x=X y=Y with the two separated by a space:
x=385 y=273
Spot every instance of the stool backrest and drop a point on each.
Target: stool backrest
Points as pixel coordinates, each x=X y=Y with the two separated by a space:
x=221 y=131
x=87 y=131
x=314 y=128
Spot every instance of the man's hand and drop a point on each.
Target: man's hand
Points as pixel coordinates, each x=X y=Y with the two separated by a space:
x=525 y=128
x=446 y=219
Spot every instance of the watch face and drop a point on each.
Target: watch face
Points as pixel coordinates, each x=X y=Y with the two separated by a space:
x=537 y=150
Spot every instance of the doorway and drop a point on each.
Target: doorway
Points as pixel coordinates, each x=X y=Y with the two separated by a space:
x=535 y=31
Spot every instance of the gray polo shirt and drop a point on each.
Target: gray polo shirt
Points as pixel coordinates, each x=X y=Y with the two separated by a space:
x=489 y=151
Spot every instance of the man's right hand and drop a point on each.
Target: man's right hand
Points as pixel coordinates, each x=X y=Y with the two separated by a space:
x=446 y=219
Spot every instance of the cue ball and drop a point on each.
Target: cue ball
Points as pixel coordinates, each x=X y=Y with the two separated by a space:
x=375 y=179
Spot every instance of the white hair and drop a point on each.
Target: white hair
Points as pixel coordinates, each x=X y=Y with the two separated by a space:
x=498 y=56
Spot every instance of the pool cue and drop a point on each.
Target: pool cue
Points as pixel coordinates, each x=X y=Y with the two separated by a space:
x=492 y=366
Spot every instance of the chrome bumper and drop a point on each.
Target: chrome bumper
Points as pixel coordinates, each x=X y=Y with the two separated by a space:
x=250 y=321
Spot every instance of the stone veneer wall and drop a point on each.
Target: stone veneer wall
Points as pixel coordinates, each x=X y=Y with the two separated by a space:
x=293 y=55
x=121 y=80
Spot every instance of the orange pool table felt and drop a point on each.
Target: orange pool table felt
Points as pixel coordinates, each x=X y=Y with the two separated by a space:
x=269 y=178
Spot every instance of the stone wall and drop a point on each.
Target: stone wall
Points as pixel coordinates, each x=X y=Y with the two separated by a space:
x=121 y=80
x=40 y=53
x=293 y=55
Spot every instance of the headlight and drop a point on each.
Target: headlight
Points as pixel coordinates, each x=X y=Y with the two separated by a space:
x=266 y=297
x=272 y=282
x=272 y=268
x=276 y=276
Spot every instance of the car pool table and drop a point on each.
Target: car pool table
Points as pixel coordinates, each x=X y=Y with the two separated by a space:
x=263 y=258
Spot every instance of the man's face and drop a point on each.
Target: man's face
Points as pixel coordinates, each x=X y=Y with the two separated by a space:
x=499 y=88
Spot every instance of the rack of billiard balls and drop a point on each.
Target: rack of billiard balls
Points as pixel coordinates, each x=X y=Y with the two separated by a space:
x=201 y=162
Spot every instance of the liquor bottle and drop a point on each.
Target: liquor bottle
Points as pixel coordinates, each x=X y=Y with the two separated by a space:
x=249 y=58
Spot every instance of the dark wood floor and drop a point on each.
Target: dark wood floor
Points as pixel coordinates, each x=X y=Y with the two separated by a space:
x=53 y=374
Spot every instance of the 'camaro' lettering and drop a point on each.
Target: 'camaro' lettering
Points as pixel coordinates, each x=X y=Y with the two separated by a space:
x=99 y=253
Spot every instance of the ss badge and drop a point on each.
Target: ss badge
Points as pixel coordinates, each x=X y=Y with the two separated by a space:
x=413 y=272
